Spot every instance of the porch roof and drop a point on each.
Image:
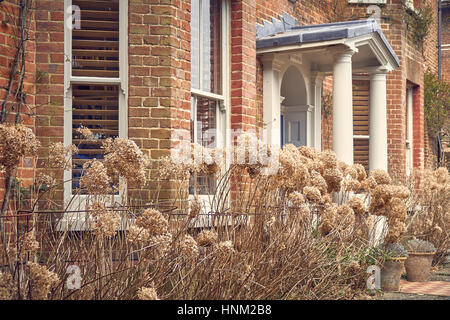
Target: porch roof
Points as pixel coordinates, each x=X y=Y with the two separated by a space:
x=323 y=33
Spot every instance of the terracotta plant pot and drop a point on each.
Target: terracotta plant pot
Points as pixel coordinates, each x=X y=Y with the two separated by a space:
x=391 y=273
x=418 y=266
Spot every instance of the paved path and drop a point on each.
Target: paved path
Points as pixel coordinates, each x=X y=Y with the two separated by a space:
x=438 y=288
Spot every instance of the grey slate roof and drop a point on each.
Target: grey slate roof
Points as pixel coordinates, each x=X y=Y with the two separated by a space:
x=274 y=36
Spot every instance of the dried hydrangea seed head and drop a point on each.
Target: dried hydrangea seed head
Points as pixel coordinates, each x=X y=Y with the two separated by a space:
x=381 y=176
x=7 y=286
x=333 y=178
x=207 y=238
x=85 y=133
x=351 y=185
x=312 y=194
x=361 y=172
x=95 y=179
x=44 y=179
x=188 y=247
x=30 y=243
x=154 y=221
x=105 y=222
x=329 y=159
x=123 y=158
x=318 y=181
x=168 y=169
x=195 y=208
x=297 y=198
x=42 y=280
x=137 y=234
x=59 y=155
x=147 y=294
x=225 y=248
x=16 y=142
x=357 y=204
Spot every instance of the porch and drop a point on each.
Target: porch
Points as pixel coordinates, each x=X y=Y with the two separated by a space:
x=296 y=60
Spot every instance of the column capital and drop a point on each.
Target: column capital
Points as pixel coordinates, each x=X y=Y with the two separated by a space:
x=317 y=77
x=271 y=61
x=378 y=73
x=343 y=53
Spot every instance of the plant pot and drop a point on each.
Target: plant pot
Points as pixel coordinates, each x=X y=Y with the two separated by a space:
x=418 y=266
x=390 y=274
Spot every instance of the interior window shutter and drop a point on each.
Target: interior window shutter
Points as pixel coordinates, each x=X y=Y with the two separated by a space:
x=95 y=54
x=361 y=121
x=95 y=46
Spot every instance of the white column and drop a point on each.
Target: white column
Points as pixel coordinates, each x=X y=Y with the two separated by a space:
x=316 y=82
x=343 y=105
x=378 y=121
x=271 y=99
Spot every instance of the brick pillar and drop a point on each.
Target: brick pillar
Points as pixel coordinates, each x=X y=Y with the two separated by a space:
x=243 y=64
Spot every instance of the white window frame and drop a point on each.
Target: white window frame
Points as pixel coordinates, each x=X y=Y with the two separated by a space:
x=78 y=202
x=222 y=100
x=409 y=130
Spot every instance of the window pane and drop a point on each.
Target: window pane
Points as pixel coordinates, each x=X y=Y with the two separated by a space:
x=95 y=47
x=206 y=125
x=94 y=107
x=206 y=47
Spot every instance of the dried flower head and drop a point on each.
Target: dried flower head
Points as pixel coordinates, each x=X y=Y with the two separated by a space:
x=297 y=198
x=312 y=194
x=95 y=179
x=44 y=179
x=225 y=248
x=188 y=247
x=16 y=142
x=161 y=244
x=147 y=294
x=123 y=158
x=195 y=208
x=207 y=238
x=59 y=156
x=357 y=204
x=334 y=178
x=7 y=287
x=154 y=221
x=41 y=280
x=137 y=234
x=104 y=222
x=29 y=242
x=380 y=176
x=168 y=169
x=85 y=133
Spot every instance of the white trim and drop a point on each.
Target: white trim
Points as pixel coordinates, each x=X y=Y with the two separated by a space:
x=222 y=100
x=206 y=94
x=409 y=131
x=361 y=137
x=77 y=202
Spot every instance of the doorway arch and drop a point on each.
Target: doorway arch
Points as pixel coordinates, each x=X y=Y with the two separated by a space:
x=295 y=114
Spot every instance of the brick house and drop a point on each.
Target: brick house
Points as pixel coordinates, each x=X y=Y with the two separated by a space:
x=144 y=68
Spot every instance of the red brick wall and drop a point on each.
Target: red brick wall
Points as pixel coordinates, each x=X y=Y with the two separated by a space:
x=9 y=42
x=446 y=41
x=50 y=86
x=243 y=64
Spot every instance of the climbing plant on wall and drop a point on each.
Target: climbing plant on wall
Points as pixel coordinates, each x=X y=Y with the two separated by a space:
x=437 y=105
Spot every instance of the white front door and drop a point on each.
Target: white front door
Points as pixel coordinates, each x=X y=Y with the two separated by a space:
x=294 y=128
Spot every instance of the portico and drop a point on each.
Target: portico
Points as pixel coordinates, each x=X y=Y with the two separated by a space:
x=296 y=60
